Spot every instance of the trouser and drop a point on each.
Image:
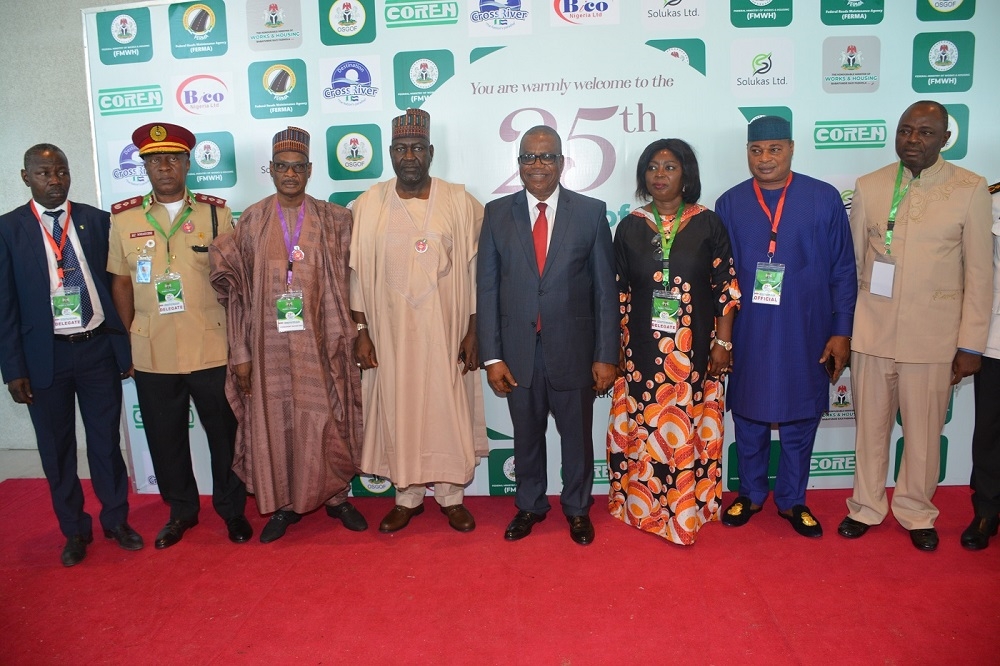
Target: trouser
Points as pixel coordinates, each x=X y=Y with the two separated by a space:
x=446 y=494
x=753 y=450
x=986 y=440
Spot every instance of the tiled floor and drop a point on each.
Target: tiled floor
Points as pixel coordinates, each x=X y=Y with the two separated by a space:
x=25 y=464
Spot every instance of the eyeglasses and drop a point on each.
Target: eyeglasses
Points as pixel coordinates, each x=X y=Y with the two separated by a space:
x=283 y=167
x=530 y=158
x=157 y=160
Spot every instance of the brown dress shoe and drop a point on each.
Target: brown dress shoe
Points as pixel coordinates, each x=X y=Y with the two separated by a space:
x=399 y=518
x=459 y=517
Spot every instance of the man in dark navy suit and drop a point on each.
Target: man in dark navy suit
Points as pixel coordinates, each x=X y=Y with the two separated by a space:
x=548 y=326
x=61 y=340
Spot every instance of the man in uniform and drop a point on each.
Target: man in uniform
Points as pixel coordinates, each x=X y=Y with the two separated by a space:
x=159 y=258
x=413 y=296
x=793 y=339
x=294 y=387
x=62 y=341
x=922 y=240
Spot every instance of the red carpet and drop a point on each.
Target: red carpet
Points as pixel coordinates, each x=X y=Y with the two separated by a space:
x=428 y=595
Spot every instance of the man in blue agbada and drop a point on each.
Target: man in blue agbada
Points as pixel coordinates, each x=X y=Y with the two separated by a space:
x=791 y=241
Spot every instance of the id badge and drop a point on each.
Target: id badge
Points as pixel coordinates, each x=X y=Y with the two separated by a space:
x=767 y=283
x=289 y=310
x=883 y=272
x=170 y=293
x=143 y=269
x=666 y=308
x=66 y=309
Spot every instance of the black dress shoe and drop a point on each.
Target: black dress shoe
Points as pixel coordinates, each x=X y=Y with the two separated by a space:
x=803 y=521
x=977 y=535
x=75 y=549
x=852 y=529
x=581 y=530
x=520 y=527
x=278 y=525
x=173 y=531
x=924 y=539
x=349 y=515
x=239 y=529
x=126 y=537
x=739 y=512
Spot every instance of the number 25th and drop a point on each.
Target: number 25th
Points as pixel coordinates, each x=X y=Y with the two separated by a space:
x=608 y=157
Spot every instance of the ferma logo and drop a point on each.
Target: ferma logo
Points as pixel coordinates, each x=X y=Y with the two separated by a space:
x=137 y=99
x=829 y=134
x=410 y=13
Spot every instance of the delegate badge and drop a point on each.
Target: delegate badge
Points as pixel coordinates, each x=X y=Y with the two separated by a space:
x=883 y=272
x=143 y=269
x=767 y=283
x=170 y=293
x=289 y=307
x=66 y=309
x=666 y=306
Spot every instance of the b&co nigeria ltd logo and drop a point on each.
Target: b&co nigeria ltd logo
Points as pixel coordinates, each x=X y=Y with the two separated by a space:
x=199 y=20
x=423 y=73
x=347 y=18
x=123 y=29
x=499 y=14
x=207 y=154
x=943 y=55
x=354 y=152
x=203 y=94
x=350 y=83
x=279 y=80
x=274 y=16
x=132 y=170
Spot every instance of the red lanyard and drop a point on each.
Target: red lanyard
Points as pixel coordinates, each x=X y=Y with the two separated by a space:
x=56 y=249
x=777 y=213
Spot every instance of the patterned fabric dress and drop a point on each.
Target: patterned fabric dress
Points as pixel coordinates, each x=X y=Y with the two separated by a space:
x=665 y=437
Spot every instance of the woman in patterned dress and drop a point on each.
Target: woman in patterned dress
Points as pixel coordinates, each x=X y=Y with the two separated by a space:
x=665 y=436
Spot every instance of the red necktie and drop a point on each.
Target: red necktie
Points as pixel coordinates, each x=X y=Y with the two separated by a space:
x=540 y=234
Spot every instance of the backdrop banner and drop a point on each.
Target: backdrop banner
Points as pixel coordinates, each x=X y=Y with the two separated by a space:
x=610 y=75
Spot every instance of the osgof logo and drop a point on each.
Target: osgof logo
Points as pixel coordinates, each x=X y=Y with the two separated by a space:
x=132 y=169
x=946 y=5
x=375 y=484
x=207 y=154
x=501 y=14
x=135 y=99
x=203 y=94
x=350 y=83
x=279 y=80
x=123 y=29
x=347 y=18
x=424 y=73
x=849 y=134
x=943 y=55
x=354 y=151
x=199 y=20
x=411 y=13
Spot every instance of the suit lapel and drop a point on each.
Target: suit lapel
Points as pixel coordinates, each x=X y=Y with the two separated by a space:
x=522 y=227
x=564 y=213
x=36 y=242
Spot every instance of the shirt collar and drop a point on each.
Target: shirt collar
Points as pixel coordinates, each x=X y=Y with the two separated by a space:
x=550 y=202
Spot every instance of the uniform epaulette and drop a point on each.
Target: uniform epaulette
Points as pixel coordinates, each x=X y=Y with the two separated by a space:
x=126 y=204
x=209 y=199
x=994 y=188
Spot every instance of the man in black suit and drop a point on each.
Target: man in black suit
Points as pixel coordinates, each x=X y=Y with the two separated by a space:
x=548 y=327
x=61 y=340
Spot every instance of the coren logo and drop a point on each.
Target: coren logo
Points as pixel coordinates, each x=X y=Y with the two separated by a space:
x=137 y=99
x=829 y=134
x=410 y=13
x=832 y=463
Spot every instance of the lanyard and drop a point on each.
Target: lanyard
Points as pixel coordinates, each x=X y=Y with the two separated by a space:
x=667 y=238
x=291 y=241
x=776 y=220
x=897 y=198
x=173 y=230
x=56 y=249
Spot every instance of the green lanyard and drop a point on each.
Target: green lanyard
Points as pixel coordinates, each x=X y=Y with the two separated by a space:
x=173 y=230
x=897 y=198
x=667 y=239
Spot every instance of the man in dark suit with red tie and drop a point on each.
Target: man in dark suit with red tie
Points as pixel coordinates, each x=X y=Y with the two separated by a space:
x=548 y=327
x=61 y=341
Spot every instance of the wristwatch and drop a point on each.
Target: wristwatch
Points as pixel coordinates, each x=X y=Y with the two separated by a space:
x=728 y=346
x=362 y=327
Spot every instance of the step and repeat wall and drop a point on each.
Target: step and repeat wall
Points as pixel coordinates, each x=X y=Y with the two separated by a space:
x=610 y=75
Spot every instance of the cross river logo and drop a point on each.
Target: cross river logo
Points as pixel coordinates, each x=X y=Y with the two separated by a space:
x=135 y=99
x=412 y=13
x=831 y=134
